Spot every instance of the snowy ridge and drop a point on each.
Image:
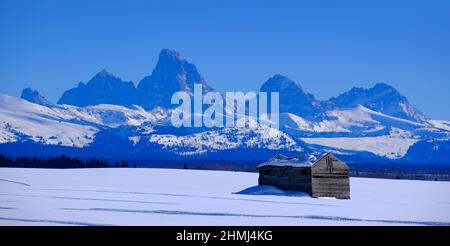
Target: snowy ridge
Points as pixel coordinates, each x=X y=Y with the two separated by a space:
x=361 y=129
x=343 y=131
x=73 y=126
x=107 y=111
x=262 y=137
x=393 y=146
x=443 y=125
x=110 y=115
x=348 y=121
x=63 y=124
x=40 y=124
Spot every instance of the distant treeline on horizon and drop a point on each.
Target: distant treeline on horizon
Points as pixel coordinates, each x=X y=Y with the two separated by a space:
x=62 y=161
x=436 y=172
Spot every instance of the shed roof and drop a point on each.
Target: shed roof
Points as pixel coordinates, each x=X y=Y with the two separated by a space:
x=305 y=160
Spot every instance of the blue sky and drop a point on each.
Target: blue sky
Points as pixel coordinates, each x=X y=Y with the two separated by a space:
x=327 y=46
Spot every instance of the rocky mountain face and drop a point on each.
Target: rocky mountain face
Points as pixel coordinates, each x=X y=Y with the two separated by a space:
x=103 y=88
x=111 y=117
x=382 y=98
x=34 y=96
x=172 y=73
x=292 y=98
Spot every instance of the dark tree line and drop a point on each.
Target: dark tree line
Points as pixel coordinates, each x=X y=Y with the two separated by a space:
x=58 y=162
x=437 y=172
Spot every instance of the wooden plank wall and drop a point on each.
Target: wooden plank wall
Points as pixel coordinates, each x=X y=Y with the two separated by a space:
x=330 y=187
x=286 y=178
x=330 y=178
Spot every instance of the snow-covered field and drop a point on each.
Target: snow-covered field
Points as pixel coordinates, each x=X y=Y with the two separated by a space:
x=190 y=197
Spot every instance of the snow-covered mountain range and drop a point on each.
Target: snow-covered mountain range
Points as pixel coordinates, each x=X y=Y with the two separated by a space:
x=111 y=117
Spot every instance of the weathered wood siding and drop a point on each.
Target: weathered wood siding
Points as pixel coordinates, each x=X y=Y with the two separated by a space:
x=330 y=178
x=286 y=178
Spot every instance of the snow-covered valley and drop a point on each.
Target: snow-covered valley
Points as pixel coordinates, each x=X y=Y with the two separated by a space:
x=192 y=197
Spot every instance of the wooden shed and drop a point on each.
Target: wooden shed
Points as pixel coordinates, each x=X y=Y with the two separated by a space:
x=319 y=174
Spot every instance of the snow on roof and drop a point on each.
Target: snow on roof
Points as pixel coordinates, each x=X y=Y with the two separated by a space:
x=305 y=160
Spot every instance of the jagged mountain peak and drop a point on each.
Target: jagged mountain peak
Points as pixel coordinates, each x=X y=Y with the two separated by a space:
x=279 y=77
x=103 y=88
x=172 y=73
x=293 y=99
x=381 y=97
x=382 y=85
x=34 y=96
x=105 y=78
x=281 y=82
x=104 y=73
x=385 y=88
x=167 y=55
